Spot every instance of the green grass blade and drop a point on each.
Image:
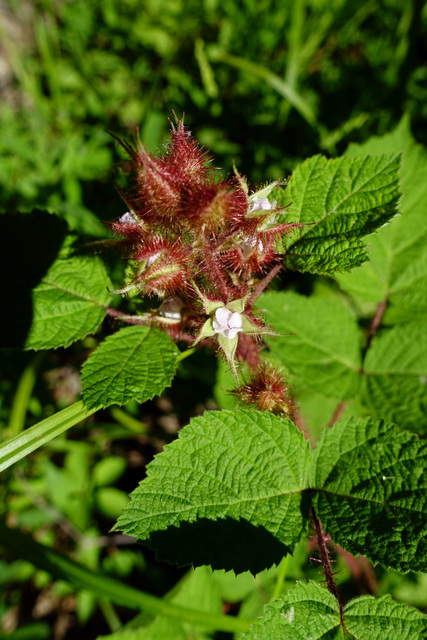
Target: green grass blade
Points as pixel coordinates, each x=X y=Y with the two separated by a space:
x=295 y=38
x=273 y=80
x=31 y=439
x=60 y=567
x=22 y=397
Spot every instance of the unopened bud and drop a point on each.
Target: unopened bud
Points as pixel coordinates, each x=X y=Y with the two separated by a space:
x=267 y=390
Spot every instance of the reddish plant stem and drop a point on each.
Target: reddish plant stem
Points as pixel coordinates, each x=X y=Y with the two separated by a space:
x=337 y=413
x=373 y=327
x=175 y=334
x=324 y=555
x=125 y=317
x=376 y=322
x=264 y=283
x=298 y=420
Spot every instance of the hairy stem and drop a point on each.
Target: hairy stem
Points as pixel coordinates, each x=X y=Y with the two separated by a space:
x=147 y=322
x=324 y=555
x=376 y=322
x=373 y=327
x=114 y=313
x=264 y=283
x=337 y=413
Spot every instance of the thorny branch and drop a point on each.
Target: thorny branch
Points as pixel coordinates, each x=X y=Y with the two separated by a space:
x=321 y=541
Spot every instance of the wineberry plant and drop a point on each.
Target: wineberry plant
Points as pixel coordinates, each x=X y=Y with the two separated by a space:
x=319 y=432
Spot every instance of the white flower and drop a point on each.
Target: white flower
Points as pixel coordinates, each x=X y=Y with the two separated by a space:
x=128 y=218
x=227 y=323
x=248 y=244
x=260 y=204
x=171 y=309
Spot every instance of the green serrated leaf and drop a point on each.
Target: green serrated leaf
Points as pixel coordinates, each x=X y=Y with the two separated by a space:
x=371 y=492
x=136 y=363
x=319 y=342
x=372 y=618
x=339 y=201
x=306 y=612
x=309 y=612
x=232 y=482
x=395 y=380
x=398 y=268
x=69 y=303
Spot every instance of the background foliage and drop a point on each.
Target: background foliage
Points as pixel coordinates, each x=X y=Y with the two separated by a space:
x=267 y=85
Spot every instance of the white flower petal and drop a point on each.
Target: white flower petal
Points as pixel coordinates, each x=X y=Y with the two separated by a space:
x=227 y=323
x=231 y=333
x=260 y=204
x=222 y=316
x=235 y=321
x=128 y=218
x=171 y=308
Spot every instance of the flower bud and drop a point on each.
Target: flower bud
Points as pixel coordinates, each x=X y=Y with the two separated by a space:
x=166 y=273
x=213 y=206
x=267 y=390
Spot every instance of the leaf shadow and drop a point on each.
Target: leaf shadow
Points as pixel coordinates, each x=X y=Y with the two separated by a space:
x=226 y=544
x=29 y=244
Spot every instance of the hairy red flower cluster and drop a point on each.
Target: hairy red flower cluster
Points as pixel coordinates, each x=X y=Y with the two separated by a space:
x=190 y=236
x=267 y=390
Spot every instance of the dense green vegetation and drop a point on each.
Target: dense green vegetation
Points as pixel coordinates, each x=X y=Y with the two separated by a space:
x=265 y=85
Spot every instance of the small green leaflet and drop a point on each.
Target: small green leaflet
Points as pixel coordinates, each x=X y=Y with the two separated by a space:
x=384 y=619
x=309 y=612
x=232 y=482
x=136 y=363
x=339 y=201
x=238 y=480
x=69 y=303
x=395 y=380
x=371 y=492
x=306 y=612
x=319 y=342
x=398 y=268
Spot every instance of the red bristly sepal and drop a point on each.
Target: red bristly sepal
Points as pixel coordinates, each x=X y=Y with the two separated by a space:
x=267 y=390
